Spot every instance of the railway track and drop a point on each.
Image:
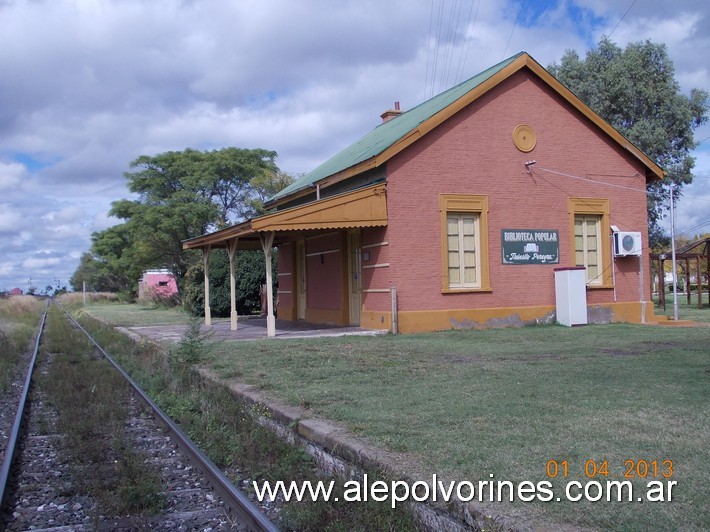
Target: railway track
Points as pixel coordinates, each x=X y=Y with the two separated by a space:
x=35 y=478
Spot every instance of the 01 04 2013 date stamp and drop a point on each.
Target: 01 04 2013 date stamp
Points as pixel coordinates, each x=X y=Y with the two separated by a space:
x=631 y=469
x=614 y=480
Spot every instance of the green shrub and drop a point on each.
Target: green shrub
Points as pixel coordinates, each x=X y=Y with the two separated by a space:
x=250 y=274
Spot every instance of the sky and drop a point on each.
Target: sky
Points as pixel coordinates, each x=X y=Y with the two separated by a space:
x=87 y=86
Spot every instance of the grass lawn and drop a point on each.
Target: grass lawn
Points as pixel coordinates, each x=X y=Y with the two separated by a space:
x=468 y=404
x=685 y=311
x=135 y=314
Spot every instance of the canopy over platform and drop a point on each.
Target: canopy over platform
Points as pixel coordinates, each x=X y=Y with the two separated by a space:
x=363 y=207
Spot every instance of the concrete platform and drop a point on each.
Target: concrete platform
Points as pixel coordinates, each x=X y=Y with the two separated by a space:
x=250 y=329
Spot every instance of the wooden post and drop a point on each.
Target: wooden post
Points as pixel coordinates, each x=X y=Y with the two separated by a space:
x=651 y=278
x=206 y=263
x=642 y=301
x=231 y=250
x=687 y=280
x=267 y=244
x=662 y=283
x=699 y=276
x=395 y=319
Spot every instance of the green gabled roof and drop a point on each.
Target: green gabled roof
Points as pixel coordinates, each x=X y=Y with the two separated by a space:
x=394 y=135
x=388 y=133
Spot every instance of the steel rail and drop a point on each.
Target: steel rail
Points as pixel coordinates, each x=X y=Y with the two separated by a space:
x=19 y=416
x=233 y=498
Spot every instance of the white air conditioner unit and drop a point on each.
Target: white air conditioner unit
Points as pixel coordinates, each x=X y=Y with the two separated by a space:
x=627 y=243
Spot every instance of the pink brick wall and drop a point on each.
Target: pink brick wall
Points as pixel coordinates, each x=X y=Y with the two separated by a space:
x=375 y=278
x=324 y=272
x=473 y=153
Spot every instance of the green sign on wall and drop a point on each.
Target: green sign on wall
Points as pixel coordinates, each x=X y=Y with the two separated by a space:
x=530 y=246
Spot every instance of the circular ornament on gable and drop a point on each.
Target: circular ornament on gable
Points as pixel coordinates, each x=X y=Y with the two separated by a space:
x=524 y=138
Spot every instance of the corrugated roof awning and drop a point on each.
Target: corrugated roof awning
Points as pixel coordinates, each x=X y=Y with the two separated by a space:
x=364 y=207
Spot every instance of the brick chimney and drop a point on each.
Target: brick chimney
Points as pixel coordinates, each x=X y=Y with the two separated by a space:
x=389 y=114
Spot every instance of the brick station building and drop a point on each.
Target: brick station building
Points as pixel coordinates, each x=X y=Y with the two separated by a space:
x=457 y=212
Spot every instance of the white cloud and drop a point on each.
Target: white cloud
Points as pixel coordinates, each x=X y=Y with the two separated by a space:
x=10 y=219
x=67 y=214
x=5 y=269
x=40 y=263
x=21 y=238
x=11 y=175
x=95 y=84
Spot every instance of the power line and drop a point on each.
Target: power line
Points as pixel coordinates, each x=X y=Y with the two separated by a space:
x=450 y=41
x=428 y=52
x=435 y=43
x=463 y=57
x=569 y=194
x=514 y=26
x=449 y=24
x=622 y=18
x=588 y=180
x=687 y=231
x=694 y=228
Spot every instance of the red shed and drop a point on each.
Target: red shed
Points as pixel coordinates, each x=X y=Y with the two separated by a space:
x=157 y=284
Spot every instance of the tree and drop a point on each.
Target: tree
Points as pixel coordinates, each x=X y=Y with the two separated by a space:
x=97 y=274
x=266 y=184
x=180 y=195
x=250 y=273
x=635 y=90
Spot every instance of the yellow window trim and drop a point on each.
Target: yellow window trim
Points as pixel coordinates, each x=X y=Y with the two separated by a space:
x=598 y=207
x=462 y=203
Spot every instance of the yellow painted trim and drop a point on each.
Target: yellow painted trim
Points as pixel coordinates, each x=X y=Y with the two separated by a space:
x=629 y=312
x=454 y=203
x=219 y=237
x=438 y=320
x=345 y=279
x=448 y=290
x=286 y=313
x=376 y=319
x=328 y=316
x=378 y=244
x=326 y=252
x=363 y=207
x=598 y=207
x=524 y=138
x=300 y=279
